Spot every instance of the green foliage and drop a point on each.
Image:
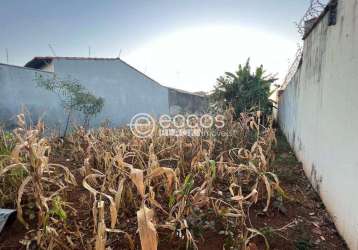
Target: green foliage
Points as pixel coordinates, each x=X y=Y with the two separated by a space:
x=10 y=182
x=73 y=96
x=213 y=168
x=57 y=208
x=245 y=90
x=171 y=201
x=7 y=142
x=187 y=186
x=89 y=104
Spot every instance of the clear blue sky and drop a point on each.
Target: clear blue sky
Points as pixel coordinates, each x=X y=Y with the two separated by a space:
x=108 y=26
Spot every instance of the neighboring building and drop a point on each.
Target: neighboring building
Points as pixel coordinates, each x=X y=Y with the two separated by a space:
x=318 y=112
x=18 y=93
x=126 y=90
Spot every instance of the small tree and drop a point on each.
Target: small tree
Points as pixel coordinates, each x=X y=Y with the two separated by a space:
x=245 y=90
x=89 y=105
x=74 y=97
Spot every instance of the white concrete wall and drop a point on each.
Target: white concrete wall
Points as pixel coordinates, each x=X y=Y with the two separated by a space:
x=125 y=90
x=18 y=89
x=318 y=111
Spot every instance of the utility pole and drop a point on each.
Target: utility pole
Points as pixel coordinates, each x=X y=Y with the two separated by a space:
x=7 y=56
x=52 y=50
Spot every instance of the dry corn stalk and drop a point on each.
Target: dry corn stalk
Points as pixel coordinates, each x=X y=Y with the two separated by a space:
x=194 y=172
x=43 y=182
x=137 y=178
x=147 y=232
x=101 y=228
x=168 y=173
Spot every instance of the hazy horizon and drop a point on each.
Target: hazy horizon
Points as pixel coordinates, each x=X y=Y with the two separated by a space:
x=182 y=44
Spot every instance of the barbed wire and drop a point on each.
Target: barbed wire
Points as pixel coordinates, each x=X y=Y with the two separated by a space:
x=314 y=10
x=293 y=67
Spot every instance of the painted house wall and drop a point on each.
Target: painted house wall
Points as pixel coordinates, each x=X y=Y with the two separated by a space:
x=318 y=113
x=18 y=88
x=125 y=90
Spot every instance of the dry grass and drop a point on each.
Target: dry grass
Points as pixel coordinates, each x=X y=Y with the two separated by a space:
x=166 y=183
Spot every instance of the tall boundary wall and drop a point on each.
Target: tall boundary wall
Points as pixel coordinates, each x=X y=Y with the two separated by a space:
x=318 y=112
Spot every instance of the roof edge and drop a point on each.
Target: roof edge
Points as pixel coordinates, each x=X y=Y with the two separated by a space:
x=38 y=62
x=25 y=68
x=169 y=88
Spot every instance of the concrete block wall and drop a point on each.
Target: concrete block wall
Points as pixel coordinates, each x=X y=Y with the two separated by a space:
x=186 y=103
x=318 y=112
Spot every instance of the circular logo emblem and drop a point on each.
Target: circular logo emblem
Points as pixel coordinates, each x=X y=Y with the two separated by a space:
x=142 y=125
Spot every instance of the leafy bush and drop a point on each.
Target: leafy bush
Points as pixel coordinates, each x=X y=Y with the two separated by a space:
x=245 y=90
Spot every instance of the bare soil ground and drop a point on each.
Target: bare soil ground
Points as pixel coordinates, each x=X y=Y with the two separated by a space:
x=314 y=228
x=298 y=222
